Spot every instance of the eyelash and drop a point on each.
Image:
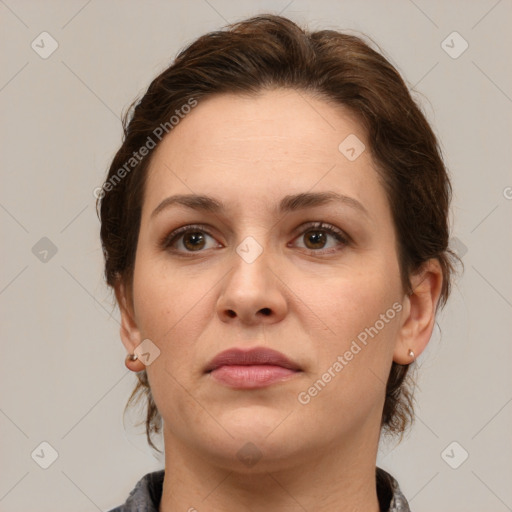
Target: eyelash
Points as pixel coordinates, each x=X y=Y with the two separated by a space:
x=168 y=240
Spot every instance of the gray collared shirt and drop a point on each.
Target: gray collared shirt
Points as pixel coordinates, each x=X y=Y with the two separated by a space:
x=146 y=495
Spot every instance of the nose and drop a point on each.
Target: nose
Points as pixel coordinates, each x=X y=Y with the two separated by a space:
x=253 y=292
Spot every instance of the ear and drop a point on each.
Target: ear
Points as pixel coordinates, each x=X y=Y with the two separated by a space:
x=419 y=312
x=129 y=331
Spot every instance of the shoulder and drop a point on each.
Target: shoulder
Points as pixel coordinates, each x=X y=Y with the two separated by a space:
x=390 y=496
x=146 y=495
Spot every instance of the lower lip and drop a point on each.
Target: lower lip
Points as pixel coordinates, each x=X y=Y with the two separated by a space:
x=252 y=376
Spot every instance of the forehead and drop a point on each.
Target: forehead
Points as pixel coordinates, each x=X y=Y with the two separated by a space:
x=252 y=148
x=277 y=120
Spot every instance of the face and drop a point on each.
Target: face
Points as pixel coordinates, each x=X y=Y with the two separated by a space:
x=251 y=275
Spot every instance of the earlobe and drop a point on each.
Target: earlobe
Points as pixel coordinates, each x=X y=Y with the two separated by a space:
x=420 y=313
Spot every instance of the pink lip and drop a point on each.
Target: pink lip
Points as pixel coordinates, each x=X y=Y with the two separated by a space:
x=249 y=369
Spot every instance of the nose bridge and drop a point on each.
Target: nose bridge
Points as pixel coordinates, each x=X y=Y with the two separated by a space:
x=254 y=237
x=251 y=264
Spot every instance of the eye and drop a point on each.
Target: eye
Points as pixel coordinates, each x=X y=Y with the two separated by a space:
x=316 y=236
x=191 y=238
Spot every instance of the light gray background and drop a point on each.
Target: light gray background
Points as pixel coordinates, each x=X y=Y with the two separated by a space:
x=63 y=378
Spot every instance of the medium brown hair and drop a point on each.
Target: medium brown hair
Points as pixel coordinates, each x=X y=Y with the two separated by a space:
x=266 y=52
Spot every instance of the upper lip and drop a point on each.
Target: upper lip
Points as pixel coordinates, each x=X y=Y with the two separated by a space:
x=254 y=356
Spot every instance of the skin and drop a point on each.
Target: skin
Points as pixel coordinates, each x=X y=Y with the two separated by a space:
x=249 y=152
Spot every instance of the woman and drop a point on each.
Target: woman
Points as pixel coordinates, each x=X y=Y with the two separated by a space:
x=275 y=229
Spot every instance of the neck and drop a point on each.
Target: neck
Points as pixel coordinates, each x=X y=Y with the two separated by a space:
x=334 y=479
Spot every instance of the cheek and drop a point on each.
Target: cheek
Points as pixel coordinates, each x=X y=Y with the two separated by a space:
x=355 y=300
x=361 y=319
x=159 y=291
x=173 y=309
x=354 y=363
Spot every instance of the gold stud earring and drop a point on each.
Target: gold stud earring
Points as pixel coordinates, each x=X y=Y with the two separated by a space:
x=133 y=363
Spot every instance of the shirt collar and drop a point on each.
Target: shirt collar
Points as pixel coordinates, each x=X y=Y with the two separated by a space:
x=146 y=495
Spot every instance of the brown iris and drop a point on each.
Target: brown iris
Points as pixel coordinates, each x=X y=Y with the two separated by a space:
x=318 y=237
x=196 y=239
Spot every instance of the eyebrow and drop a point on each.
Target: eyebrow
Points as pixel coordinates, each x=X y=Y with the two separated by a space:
x=289 y=203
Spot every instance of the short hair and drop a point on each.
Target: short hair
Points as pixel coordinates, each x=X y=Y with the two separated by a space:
x=266 y=52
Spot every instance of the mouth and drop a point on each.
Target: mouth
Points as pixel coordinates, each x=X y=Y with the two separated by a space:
x=249 y=369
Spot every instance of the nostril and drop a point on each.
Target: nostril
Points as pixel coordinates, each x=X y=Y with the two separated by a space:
x=266 y=311
x=231 y=313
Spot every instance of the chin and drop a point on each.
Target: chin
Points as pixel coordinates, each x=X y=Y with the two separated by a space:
x=254 y=455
